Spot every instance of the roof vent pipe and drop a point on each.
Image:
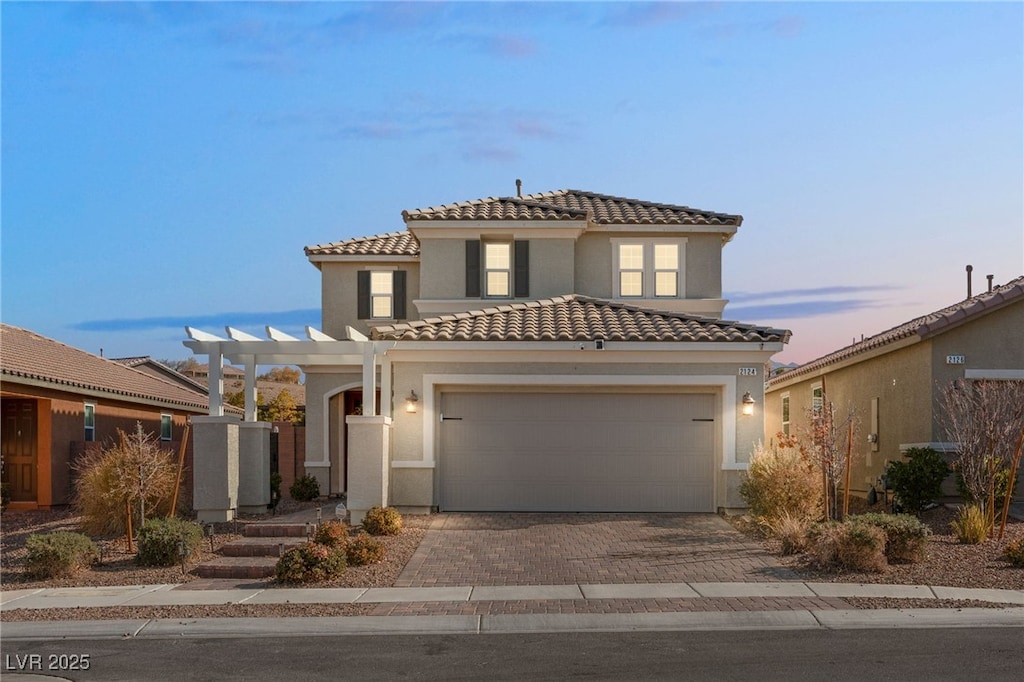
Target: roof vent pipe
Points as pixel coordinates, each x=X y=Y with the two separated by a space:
x=990 y=282
x=519 y=188
x=970 y=269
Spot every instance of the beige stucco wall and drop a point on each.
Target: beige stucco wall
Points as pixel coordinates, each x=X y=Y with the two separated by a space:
x=338 y=294
x=442 y=268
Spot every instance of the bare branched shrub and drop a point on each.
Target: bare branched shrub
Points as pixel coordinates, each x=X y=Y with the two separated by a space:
x=781 y=482
x=134 y=473
x=830 y=436
x=985 y=420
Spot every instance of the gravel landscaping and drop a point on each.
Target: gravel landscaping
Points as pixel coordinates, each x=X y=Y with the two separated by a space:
x=947 y=563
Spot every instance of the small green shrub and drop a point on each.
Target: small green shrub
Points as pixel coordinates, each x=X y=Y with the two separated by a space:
x=332 y=534
x=305 y=488
x=59 y=554
x=917 y=480
x=1014 y=552
x=310 y=562
x=791 y=531
x=364 y=549
x=159 y=541
x=905 y=535
x=848 y=546
x=971 y=525
x=781 y=481
x=382 y=521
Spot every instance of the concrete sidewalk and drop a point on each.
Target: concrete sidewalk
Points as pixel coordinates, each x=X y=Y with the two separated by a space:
x=439 y=622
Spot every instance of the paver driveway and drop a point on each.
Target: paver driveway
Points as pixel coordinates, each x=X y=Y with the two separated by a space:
x=484 y=549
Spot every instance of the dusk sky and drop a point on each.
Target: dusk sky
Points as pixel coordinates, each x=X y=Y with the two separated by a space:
x=165 y=164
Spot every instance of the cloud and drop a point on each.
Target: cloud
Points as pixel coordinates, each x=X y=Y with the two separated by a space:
x=741 y=296
x=798 y=309
x=645 y=14
x=281 y=318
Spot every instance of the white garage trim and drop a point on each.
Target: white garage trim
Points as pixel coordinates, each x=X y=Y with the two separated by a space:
x=431 y=417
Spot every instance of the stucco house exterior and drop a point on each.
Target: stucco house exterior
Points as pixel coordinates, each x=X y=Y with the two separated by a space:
x=560 y=351
x=58 y=400
x=893 y=379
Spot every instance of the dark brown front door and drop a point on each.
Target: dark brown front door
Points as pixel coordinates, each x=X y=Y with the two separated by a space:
x=18 y=447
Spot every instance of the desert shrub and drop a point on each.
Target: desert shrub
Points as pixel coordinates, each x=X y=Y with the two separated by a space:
x=781 y=481
x=364 y=549
x=159 y=541
x=59 y=554
x=332 y=534
x=310 y=562
x=1003 y=484
x=848 y=546
x=382 y=521
x=971 y=525
x=1014 y=552
x=917 y=480
x=905 y=535
x=135 y=473
x=791 y=531
x=305 y=488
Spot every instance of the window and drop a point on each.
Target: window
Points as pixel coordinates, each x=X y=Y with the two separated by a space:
x=381 y=294
x=648 y=269
x=497 y=269
x=165 y=426
x=785 y=413
x=816 y=398
x=90 y=423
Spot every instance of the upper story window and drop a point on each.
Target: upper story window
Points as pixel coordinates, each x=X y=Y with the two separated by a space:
x=381 y=294
x=648 y=268
x=166 y=423
x=90 y=422
x=497 y=268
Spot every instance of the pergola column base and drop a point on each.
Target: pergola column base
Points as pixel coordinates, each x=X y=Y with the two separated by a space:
x=369 y=465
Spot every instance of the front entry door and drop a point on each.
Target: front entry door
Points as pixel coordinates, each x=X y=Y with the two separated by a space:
x=18 y=448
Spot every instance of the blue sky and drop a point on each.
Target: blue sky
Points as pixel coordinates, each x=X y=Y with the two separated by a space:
x=165 y=164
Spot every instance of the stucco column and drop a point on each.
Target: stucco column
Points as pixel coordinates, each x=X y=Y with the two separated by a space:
x=215 y=468
x=254 y=467
x=369 y=464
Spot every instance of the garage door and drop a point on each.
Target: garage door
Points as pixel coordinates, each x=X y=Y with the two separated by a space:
x=577 y=452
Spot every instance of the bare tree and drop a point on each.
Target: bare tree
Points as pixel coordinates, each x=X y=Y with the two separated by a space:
x=831 y=437
x=985 y=421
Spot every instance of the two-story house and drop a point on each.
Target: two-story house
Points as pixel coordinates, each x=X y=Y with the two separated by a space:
x=561 y=351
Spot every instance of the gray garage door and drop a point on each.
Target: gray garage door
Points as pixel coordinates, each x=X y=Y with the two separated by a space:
x=577 y=452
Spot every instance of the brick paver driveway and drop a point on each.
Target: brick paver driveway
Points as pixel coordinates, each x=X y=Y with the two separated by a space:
x=485 y=549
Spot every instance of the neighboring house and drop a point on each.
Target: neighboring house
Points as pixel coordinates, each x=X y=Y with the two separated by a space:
x=144 y=363
x=552 y=352
x=57 y=400
x=893 y=380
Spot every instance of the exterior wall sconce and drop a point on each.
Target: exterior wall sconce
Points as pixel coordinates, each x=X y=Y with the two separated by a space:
x=410 y=402
x=748 y=404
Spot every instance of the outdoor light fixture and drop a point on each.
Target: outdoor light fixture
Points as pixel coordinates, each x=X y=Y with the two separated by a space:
x=410 y=402
x=748 y=404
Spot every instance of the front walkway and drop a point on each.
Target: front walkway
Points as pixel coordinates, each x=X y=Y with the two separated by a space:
x=492 y=549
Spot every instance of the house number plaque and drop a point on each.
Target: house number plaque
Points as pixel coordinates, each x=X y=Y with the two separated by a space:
x=954 y=359
x=748 y=371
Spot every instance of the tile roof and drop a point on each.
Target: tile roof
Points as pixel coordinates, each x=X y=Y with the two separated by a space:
x=25 y=355
x=571 y=204
x=390 y=244
x=574 y=318
x=924 y=327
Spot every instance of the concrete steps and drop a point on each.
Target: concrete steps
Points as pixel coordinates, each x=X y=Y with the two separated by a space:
x=249 y=567
x=255 y=555
x=272 y=546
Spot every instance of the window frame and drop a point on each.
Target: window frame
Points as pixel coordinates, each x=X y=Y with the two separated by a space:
x=817 y=398
x=786 y=412
x=377 y=276
x=487 y=270
x=168 y=421
x=649 y=270
x=89 y=422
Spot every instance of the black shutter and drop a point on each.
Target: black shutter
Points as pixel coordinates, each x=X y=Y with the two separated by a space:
x=363 y=294
x=398 y=294
x=472 y=268
x=522 y=279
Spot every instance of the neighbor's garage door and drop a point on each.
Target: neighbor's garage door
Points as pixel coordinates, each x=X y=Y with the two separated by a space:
x=613 y=452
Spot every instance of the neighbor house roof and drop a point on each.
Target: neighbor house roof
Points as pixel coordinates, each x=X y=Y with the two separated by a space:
x=923 y=327
x=27 y=357
x=574 y=318
x=145 y=363
x=390 y=244
x=572 y=204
